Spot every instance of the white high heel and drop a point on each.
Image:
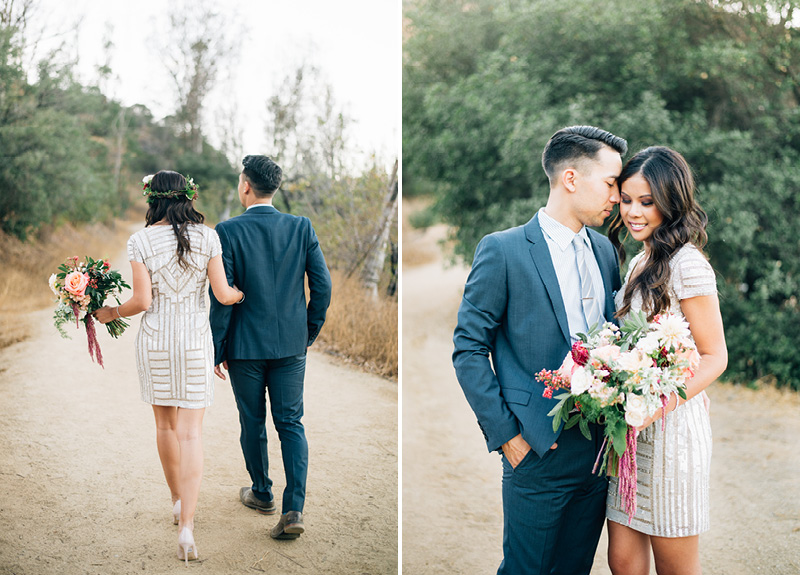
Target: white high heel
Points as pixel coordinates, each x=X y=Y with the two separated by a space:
x=187 y=550
x=176 y=512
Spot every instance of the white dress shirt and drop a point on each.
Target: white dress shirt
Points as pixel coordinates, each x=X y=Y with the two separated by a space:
x=559 y=239
x=256 y=206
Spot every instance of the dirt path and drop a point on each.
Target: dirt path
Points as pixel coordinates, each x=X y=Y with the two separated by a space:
x=452 y=512
x=82 y=491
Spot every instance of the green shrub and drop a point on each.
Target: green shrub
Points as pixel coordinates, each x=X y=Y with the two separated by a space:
x=485 y=85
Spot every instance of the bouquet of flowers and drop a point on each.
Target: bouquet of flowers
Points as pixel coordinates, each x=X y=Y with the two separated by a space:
x=619 y=377
x=82 y=288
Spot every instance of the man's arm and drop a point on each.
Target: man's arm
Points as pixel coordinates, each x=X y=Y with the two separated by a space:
x=319 y=286
x=482 y=309
x=220 y=315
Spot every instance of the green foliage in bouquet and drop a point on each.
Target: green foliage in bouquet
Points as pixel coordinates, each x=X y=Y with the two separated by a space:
x=63 y=315
x=103 y=282
x=609 y=408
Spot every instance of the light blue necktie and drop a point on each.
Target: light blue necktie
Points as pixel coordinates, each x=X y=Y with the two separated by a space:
x=589 y=300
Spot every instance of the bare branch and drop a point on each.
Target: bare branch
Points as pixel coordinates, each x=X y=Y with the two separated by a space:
x=194 y=48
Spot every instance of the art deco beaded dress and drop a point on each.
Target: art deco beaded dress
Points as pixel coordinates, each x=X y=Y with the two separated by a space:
x=674 y=463
x=174 y=348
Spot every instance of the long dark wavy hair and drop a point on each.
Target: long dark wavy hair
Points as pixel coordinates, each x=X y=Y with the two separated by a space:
x=672 y=189
x=178 y=211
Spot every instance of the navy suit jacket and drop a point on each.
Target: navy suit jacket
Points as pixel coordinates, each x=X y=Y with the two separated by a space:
x=512 y=311
x=268 y=255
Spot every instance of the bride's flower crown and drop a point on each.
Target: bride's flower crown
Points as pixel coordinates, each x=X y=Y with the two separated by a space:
x=190 y=191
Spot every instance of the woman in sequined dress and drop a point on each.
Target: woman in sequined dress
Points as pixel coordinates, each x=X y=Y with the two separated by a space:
x=670 y=274
x=171 y=259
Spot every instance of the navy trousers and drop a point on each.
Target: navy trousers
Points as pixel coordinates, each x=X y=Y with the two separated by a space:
x=281 y=380
x=554 y=508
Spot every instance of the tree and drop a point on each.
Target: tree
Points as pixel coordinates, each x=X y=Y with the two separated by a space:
x=376 y=256
x=67 y=149
x=231 y=135
x=308 y=131
x=355 y=214
x=51 y=167
x=16 y=14
x=717 y=80
x=195 y=47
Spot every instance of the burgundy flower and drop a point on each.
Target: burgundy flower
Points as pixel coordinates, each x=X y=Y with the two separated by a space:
x=580 y=354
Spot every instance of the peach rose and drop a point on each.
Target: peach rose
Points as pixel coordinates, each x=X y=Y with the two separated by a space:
x=691 y=356
x=604 y=355
x=76 y=282
x=634 y=360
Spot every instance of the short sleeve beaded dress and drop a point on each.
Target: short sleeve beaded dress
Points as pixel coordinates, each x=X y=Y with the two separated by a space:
x=174 y=349
x=673 y=464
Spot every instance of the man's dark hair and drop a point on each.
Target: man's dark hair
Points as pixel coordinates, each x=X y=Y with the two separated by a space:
x=263 y=174
x=575 y=144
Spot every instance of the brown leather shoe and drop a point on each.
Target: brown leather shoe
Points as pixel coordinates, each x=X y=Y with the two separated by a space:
x=289 y=527
x=249 y=499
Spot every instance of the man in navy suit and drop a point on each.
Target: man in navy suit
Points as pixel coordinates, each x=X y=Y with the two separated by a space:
x=263 y=341
x=530 y=291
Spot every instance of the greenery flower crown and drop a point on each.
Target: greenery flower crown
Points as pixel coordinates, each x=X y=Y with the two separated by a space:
x=190 y=191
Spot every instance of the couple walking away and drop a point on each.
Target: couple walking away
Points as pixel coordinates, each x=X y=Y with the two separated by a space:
x=531 y=290
x=259 y=331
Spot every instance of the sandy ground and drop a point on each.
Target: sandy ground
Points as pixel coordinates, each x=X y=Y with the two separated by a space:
x=452 y=512
x=82 y=491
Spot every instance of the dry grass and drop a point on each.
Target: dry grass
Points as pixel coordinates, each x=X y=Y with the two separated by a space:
x=27 y=266
x=417 y=248
x=360 y=330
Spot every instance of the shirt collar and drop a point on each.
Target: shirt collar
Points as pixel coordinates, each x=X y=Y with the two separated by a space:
x=560 y=234
x=259 y=206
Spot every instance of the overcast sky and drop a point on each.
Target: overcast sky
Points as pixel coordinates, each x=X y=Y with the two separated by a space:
x=355 y=43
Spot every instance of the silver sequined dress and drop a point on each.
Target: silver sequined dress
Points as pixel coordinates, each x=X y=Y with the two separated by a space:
x=672 y=465
x=174 y=349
